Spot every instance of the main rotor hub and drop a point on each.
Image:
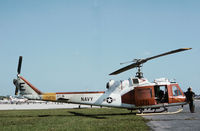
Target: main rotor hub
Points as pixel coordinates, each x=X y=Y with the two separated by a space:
x=139 y=74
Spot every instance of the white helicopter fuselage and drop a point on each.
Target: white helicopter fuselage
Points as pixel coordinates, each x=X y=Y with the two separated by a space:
x=110 y=98
x=118 y=94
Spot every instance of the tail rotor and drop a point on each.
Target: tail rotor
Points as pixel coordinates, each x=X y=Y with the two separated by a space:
x=15 y=81
x=19 y=65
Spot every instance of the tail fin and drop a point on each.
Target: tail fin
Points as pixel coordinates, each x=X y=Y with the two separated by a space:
x=27 y=89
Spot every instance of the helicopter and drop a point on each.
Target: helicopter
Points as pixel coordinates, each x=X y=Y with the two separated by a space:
x=136 y=93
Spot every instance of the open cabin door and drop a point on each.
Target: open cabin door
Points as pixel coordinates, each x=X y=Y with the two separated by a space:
x=161 y=93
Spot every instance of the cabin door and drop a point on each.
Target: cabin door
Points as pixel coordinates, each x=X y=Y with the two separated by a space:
x=144 y=96
x=176 y=94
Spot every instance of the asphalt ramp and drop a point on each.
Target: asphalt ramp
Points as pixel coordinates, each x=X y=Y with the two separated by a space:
x=182 y=121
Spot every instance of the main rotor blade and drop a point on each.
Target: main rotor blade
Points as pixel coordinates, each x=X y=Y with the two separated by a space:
x=138 y=63
x=125 y=69
x=126 y=62
x=168 y=53
x=19 y=65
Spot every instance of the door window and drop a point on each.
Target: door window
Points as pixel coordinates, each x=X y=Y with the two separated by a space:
x=176 y=91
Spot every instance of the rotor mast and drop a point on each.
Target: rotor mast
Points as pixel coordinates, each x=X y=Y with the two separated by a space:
x=139 y=74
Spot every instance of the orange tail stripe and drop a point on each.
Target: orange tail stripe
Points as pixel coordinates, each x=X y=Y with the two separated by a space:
x=33 y=87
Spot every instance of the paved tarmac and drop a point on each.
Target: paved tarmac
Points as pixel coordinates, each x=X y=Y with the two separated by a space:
x=183 y=121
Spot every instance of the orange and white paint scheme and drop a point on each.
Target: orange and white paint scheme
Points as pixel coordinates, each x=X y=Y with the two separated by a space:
x=134 y=93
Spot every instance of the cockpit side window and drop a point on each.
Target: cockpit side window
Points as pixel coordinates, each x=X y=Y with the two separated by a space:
x=176 y=91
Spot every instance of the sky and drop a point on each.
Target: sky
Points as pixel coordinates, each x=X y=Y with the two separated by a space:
x=72 y=45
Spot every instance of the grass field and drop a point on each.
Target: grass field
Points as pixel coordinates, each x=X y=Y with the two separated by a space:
x=71 y=119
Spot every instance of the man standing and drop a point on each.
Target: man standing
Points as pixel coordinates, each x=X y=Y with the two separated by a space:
x=190 y=98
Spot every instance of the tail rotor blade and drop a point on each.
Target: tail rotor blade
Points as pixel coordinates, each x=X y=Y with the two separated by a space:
x=16 y=91
x=19 y=65
x=16 y=86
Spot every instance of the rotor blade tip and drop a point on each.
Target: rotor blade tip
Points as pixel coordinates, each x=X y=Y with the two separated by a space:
x=187 y=48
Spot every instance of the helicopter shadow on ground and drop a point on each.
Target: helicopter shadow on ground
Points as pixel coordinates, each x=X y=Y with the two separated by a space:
x=72 y=114
x=100 y=116
x=25 y=116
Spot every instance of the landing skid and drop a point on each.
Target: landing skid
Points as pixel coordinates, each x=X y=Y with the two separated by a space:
x=163 y=112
